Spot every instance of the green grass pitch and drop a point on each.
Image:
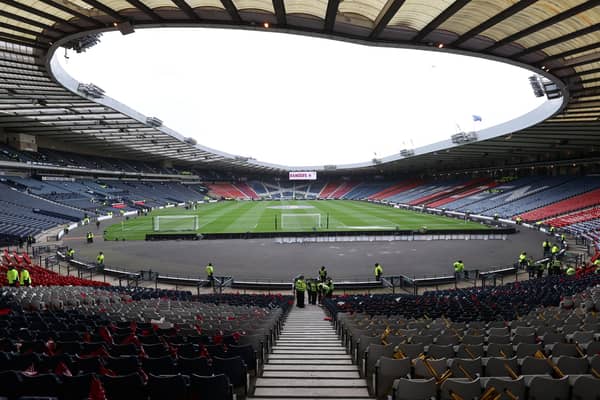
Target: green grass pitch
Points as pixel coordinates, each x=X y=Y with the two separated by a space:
x=260 y=216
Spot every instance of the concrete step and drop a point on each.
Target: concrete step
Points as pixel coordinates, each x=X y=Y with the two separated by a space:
x=312 y=361
x=306 y=347
x=307 y=357
x=309 y=382
x=309 y=362
x=310 y=367
x=312 y=374
x=318 y=392
x=309 y=398
x=308 y=352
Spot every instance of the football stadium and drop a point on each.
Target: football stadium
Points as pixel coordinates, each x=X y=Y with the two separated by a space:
x=139 y=262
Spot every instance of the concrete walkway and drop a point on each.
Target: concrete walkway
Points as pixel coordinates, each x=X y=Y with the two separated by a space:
x=309 y=362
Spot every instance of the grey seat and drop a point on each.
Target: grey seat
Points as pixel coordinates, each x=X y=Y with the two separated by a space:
x=582 y=337
x=386 y=371
x=496 y=350
x=565 y=349
x=469 y=351
x=547 y=388
x=361 y=346
x=497 y=366
x=524 y=330
x=374 y=353
x=423 y=339
x=447 y=339
x=473 y=367
x=472 y=339
x=467 y=390
x=440 y=351
x=573 y=365
x=585 y=388
x=499 y=339
x=552 y=338
x=535 y=366
x=415 y=389
x=422 y=371
x=411 y=350
x=527 y=349
x=529 y=339
x=502 y=386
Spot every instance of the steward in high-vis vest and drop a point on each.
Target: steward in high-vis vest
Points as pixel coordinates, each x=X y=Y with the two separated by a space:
x=378 y=271
x=546 y=246
x=571 y=271
x=12 y=276
x=25 y=278
x=300 y=287
x=322 y=274
x=100 y=260
x=210 y=274
x=596 y=264
x=523 y=260
x=554 y=251
x=329 y=288
x=90 y=237
x=312 y=291
x=459 y=268
x=519 y=220
x=70 y=253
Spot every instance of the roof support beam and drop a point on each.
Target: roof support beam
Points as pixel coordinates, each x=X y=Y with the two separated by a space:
x=385 y=16
x=22 y=41
x=576 y=62
x=30 y=22
x=280 y=13
x=440 y=19
x=558 y=40
x=26 y=31
x=39 y=13
x=105 y=9
x=62 y=7
x=510 y=11
x=591 y=46
x=331 y=14
x=544 y=24
x=145 y=9
x=232 y=10
x=185 y=7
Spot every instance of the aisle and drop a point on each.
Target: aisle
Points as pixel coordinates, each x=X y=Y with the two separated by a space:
x=309 y=362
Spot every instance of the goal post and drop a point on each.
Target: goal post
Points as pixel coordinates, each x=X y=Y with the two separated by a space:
x=301 y=221
x=171 y=223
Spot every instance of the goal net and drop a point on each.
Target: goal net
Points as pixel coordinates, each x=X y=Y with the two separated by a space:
x=165 y=223
x=300 y=221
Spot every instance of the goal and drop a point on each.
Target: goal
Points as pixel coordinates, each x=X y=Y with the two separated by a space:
x=300 y=221
x=166 y=223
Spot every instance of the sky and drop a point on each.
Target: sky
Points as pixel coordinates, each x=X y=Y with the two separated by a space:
x=297 y=100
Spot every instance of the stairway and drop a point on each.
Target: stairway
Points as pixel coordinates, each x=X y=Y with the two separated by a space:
x=309 y=362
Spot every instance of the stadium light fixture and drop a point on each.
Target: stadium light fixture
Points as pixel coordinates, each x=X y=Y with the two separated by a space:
x=266 y=25
x=407 y=152
x=440 y=46
x=125 y=27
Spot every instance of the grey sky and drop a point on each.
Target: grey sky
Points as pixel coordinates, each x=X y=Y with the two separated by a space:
x=298 y=100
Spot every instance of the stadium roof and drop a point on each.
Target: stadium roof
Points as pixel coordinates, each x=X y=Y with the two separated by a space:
x=559 y=39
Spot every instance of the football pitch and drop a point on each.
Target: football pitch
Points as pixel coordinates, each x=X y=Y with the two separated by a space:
x=282 y=216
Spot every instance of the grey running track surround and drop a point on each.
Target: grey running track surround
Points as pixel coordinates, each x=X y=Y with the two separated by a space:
x=308 y=362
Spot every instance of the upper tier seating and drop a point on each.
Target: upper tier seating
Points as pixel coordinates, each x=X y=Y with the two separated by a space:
x=505 y=193
x=575 y=218
x=558 y=190
x=591 y=198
